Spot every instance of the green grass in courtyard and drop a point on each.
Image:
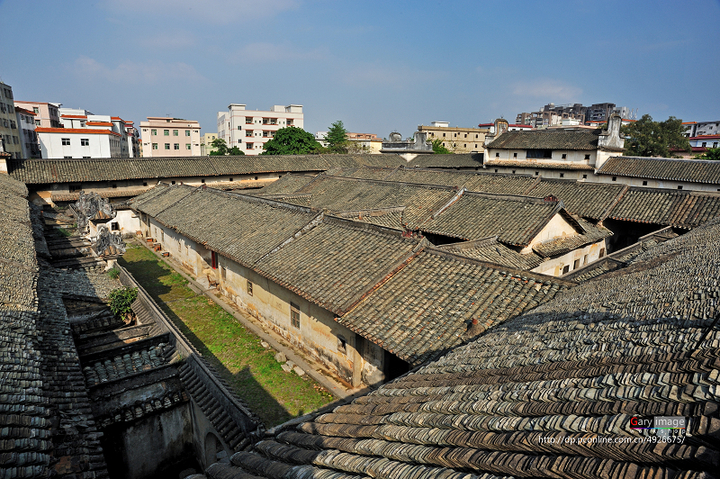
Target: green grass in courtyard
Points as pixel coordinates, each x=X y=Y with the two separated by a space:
x=274 y=395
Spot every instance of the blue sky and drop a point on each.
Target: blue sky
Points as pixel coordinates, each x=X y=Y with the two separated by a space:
x=377 y=66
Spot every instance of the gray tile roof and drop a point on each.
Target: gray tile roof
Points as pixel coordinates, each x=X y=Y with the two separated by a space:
x=683 y=209
x=549 y=393
x=241 y=227
x=464 y=160
x=337 y=262
x=621 y=258
x=26 y=446
x=45 y=171
x=546 y=140
x=427 y=306
x=590 y=200
x=516 y=220
x=339 y=194
x=289 y=183
x=491 y=251
x=668 y=169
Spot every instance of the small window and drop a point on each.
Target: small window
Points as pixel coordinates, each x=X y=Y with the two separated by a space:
x=155 y=146
x=84 y=141
x=614 y=178
x=144 y=183
x=679 y=187
x=513 y=172
x=585 y=259
x=565 y=269
x=644 y=183
x=584 y=177
x=250 y=293
x=256 y=177
x=341 y=344
x=172 y=182
x=187 y=146
x=167 y=146
x=114 y=226
x=187 y=132
x=175 y=132
x=564 y=156
x=587 y=157
x=295 y=315
x=202 y=180
x=166 y=132
x=576 y=264
x=176 y=146
x=514 y=155
x=496 y=170
x=66 y=141
x=602 y=252
x=213 y=260
x=497 y=155
x=223 y=272
x=562 y=175
x=153 y=131
x=537 y=173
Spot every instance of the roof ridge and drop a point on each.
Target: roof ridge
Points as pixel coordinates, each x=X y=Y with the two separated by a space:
x=543 y=278
x=334 y=219
x=299 y=233
x=388 y=182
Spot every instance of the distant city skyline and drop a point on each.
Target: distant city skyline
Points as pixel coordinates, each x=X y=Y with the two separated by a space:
x=376 y=66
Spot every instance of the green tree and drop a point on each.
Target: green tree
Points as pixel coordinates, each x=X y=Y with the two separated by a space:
x=710 y=154
x=121 y=300
x=646 y=137
x=438 y=147
x=336 y=138
x=235 y=151
x=291 y=141
x=219 y=147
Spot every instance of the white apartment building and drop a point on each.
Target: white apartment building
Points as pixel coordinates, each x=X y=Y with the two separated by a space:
x=28 y=137
x=84 y=135
x=46 y=114
x=168 y=137
x=9 y=135
x=249 y=130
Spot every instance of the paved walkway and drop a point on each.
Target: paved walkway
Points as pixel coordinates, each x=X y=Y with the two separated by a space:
x=313 y=369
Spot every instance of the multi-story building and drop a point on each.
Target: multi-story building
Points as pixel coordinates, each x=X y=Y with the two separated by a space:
x=28 y=137
x=9 y=133
x=168 y=137
x=701 y=128
x=47 y=115
x=249 y=130
x=84 y=135
x=575 y=113
x=206 y=143
x=456 y=139
x=133 y=137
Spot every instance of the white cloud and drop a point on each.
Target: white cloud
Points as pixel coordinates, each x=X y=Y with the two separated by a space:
x=272 y=53
x=133 y=73
x=553 y=90
x=221 y=12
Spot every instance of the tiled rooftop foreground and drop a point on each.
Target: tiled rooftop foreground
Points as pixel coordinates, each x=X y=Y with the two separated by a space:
x=537 y=395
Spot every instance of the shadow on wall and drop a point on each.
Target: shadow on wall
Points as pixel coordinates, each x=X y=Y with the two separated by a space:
x=159 y=282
